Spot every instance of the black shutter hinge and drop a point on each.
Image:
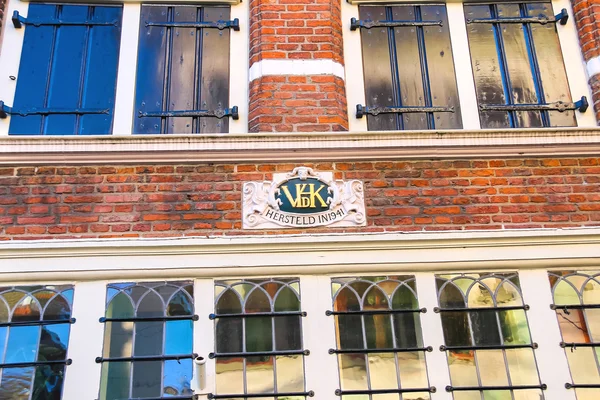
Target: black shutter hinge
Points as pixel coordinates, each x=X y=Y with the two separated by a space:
x=367 y=24
x=361 y=110
x=581 y=105
x=220 y=24
x=5 y=110
x=561 y=18
x=220 y=113
x=18 y=22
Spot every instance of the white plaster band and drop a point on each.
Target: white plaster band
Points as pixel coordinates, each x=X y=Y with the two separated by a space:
x=593 y=66
x=296 y=67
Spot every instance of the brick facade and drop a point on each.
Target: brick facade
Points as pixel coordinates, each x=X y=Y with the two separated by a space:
x=201 y=200
x=587 y=18
x=300 y=30
x=297 y=104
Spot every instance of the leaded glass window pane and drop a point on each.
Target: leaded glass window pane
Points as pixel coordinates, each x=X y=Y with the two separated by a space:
x=379 y=340
x=39 y=323
x=155 y=321
x=259 y=322
x=575 y=294
x=487 y=338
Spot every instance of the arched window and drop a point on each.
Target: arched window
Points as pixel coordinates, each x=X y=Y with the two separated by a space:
x=35 y=322
x=147 y=340
x=258 y=337
x=379 y=342
x=489 y=348
x=576 y=297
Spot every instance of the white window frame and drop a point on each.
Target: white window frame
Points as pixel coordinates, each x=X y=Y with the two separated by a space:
x=575 y=65
x=12 y=43
x=91 y=264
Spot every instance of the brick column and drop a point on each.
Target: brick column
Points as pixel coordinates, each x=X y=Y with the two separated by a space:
x=296 y=66
x=587 y=18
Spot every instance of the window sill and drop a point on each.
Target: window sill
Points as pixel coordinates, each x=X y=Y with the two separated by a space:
x=298 y=147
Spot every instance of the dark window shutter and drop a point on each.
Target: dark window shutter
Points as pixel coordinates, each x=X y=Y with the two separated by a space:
x=409 y=65
x=181 y=69
x=65 y=68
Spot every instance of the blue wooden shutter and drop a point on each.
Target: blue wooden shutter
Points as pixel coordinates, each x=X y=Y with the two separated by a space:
x=182 y=70
x=68 y=71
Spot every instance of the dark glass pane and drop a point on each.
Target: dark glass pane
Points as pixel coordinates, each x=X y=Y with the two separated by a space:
x=177 y=377
x=407 y=327
x=485 y=328
x=148 y=338
x=180 y=304
x=455 y=324
x=54 y=342
x=259 y=334
x=3 y=333
x=288 y=335
x=228 y=330
x=229 y=303
x=178 y=337
x=151 y=305
x=22 y=344
x=350 y=332
x=147 y=378
x=165 y=291
x=120 y=307
x=42 y=296
x=16 y=383
x=48 y=382
x=58 y=308
x=287 y=300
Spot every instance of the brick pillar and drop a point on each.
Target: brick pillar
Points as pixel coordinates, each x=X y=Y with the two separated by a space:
x=296 y=66
x=587 y=18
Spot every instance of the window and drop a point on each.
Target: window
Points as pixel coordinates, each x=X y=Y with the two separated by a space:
x=378 y=333
x=183 y=70
x=516 y=78
x=258 y=335
x=147 y=340
x=35 y=322
x=68 y=70
x=577 y=303
x=517 y=62
x=408 y=68
x=489 y=348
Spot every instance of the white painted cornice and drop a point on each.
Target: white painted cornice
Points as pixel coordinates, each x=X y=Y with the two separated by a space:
x=298 y=254
x=299 y=147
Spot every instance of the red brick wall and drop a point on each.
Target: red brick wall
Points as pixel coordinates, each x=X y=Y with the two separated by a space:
x=587 y=18
x=297 y=104
x=200 y=200
x=296 y=30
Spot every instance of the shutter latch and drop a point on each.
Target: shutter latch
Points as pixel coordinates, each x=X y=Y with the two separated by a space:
x=220 y=24
x=220 y=113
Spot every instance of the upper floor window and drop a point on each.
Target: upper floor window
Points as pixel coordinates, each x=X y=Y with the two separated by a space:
x=576 y=297
x=487 y=340
x=68 y=70
x=408 y=68
x=518 y=66
x=258 y=334
x=67 y=82
x=35 y=322
x=182 y=71
x=379 y=343
x=147 y=340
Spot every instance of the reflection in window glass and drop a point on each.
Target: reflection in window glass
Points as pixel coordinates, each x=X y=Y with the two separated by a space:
x=409 y=66
x=147 y=329
x=501 y=322
x=517 y=64
x=579 y=326
x=367 y=340
x=25 y=340
x=276 y=332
